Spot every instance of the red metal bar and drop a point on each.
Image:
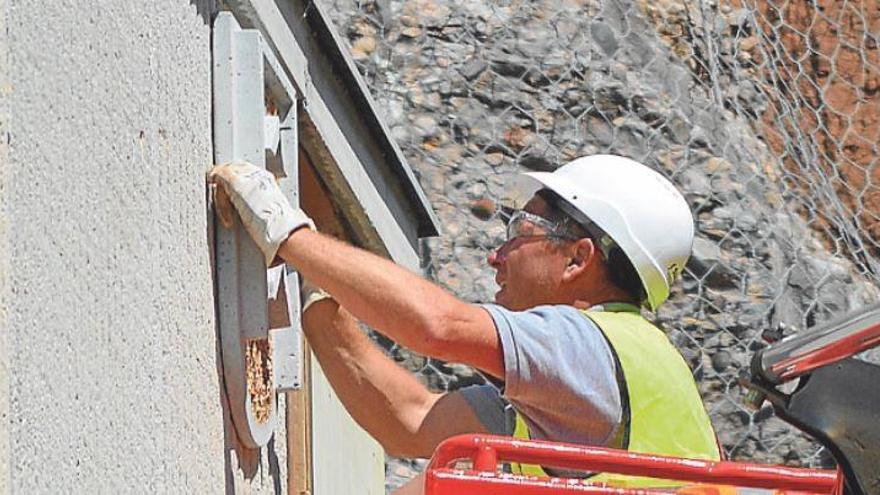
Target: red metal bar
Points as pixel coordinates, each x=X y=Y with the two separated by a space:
x=459 y=482
x=486 y=459
x=597 y=459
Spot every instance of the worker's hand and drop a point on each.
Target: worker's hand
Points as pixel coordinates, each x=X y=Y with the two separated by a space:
x=311 y=293
x=264 y=211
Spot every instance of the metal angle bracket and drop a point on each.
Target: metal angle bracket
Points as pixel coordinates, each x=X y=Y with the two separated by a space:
x=286 y=335
x=258 y=308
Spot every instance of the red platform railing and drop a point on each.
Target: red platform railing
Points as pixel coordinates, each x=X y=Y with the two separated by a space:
x=485 y=452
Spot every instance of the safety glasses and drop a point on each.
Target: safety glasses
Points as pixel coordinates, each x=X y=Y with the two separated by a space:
x=521 y=223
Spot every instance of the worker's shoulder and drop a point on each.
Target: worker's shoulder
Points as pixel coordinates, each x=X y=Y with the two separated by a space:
x=543 y=318
x=540 y=311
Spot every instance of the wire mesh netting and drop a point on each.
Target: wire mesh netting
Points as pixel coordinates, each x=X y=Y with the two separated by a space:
x=765 y=114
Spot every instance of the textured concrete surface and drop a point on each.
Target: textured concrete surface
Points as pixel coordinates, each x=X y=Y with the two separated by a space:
x=4 y=167
x=110 y=320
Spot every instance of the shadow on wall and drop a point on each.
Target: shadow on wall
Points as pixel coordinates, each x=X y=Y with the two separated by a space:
x=235 y=455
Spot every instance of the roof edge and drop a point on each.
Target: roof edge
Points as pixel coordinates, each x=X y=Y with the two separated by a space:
x=326 y=35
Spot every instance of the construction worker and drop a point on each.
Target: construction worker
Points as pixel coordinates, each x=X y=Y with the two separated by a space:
x=565 y=349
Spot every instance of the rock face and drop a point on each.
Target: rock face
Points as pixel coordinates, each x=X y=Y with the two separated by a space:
x=827 y=120
x=475 y=92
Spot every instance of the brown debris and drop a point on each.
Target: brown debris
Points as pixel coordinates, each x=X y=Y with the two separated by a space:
x=258 y=367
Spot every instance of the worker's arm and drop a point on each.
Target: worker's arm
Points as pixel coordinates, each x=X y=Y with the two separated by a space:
x=398 y=303
x=405 y=307
x=385 y=399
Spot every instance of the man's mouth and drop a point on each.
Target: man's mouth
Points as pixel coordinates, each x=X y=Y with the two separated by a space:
x=501 y=286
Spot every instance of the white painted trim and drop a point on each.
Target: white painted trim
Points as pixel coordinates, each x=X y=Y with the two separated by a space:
x=241 y=281
x=275 y=30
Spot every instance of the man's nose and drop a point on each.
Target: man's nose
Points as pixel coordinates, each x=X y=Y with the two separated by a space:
x=496 y=257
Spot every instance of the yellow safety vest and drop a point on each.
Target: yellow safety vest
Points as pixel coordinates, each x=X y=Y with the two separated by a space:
x=666 y=414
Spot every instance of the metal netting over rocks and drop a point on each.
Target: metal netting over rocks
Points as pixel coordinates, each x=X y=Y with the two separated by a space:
x=765 y=114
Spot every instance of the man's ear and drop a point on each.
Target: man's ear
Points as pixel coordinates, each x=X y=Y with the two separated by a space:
x=583 y=255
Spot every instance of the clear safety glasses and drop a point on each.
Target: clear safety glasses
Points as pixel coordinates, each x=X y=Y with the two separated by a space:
x=521 y=223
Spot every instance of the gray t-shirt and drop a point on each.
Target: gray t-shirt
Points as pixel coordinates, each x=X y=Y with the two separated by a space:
x=559 y=374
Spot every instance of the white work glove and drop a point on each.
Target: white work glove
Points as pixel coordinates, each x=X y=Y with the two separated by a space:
x=264 y=211
x=311 y=294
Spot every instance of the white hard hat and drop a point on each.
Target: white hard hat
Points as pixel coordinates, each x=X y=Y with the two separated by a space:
x=642 y=212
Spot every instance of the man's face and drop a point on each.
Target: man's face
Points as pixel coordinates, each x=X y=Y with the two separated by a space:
x=529 y=266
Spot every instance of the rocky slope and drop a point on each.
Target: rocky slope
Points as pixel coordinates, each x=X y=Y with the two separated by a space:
x=475 y=92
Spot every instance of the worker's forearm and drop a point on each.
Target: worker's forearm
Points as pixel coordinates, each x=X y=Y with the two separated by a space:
x=389 y=298
x=386 y=400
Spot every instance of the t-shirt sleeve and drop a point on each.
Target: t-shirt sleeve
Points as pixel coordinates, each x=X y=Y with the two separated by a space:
x=490 y=408
x=558 y=372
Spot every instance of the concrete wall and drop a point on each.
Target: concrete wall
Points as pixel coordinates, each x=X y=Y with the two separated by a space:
x=109 y=315
x=4 y=287
x=109 y=364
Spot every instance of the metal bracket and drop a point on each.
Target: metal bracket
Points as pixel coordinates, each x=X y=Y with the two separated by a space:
x=258 y=308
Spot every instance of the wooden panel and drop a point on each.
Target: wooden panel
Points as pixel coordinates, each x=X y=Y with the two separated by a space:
x=299 y=432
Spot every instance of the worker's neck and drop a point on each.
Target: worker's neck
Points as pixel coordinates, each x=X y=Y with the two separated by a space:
x=602 y=294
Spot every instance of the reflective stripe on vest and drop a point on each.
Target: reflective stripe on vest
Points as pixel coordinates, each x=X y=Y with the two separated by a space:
x=667 y=414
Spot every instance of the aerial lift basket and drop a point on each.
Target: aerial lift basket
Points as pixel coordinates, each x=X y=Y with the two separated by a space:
x=483 y=454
